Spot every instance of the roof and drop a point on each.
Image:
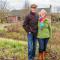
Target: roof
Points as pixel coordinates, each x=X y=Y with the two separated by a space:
x=25 y=11
x=19 y=12
x=47 y=9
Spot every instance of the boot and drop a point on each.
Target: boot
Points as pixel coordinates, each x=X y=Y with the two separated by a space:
x=40 y=56
x=44 y=54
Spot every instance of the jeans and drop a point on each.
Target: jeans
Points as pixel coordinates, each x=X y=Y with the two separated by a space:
x=31 y=46
x=43 y=44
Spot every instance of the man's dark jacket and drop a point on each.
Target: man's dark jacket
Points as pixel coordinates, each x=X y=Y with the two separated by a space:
x=31 y=23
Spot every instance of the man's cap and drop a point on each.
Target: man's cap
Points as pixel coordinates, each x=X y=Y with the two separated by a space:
x=33 y=6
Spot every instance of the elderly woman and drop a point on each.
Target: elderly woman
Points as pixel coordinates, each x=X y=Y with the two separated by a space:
x=44 y=33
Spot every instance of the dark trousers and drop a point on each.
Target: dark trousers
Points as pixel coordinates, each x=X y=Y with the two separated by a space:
x=31 y=46
x=43 y=44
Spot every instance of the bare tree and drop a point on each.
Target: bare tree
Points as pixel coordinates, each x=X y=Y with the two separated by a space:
x=3 y=9
x=26 y=4
x=3 y=4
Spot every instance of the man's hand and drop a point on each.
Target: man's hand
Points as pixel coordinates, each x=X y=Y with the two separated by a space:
x=29 y=32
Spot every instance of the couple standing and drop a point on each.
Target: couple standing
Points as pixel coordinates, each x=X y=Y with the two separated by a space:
x=37 y=28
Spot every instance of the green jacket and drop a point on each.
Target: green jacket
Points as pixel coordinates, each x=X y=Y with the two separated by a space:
x=46 y=31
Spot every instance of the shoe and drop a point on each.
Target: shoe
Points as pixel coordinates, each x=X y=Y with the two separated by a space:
x=44 y=54
x=40 y=56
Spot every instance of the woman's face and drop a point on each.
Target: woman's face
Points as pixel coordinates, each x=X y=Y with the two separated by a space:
x=42 y=13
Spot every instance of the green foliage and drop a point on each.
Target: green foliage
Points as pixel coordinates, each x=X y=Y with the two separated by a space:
x=11 y=49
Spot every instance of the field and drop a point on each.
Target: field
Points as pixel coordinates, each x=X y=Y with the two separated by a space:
x=14 y=49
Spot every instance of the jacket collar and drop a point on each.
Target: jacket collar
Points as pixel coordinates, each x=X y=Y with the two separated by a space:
x=32 y=13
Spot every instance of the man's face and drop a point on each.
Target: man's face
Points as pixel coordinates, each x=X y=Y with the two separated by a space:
x=33 y=10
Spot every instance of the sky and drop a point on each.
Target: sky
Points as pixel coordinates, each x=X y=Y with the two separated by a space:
x=19 y=4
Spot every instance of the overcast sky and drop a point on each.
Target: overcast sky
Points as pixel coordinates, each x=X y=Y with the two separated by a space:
x=19 y=4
